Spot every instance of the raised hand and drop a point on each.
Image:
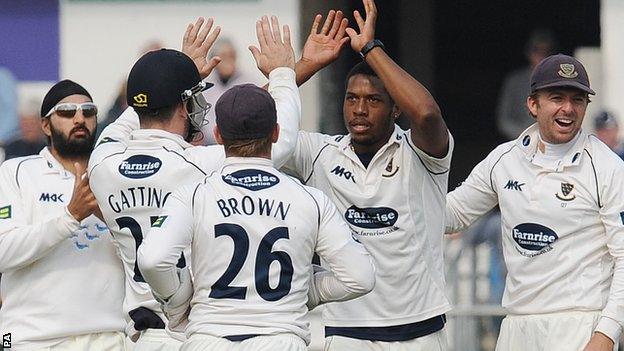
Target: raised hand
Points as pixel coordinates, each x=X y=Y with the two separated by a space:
x=82 y=203
x=274 y=51
x=366 y=27
x=196 y=43
x=322 y=48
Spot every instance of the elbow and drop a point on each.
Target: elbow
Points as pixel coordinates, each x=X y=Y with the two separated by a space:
x=149 y=262
x=364 y=280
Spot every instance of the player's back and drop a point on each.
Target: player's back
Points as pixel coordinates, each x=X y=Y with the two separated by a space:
x=255 y=232
x=132 y=181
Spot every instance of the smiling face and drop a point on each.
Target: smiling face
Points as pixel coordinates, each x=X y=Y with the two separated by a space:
x=369 y=113
x=71 y=136
x=559 y=113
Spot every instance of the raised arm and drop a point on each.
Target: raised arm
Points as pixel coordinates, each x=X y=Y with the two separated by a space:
x=276 y=59
x=196 y=43
x=428 y=129
x=322 y=48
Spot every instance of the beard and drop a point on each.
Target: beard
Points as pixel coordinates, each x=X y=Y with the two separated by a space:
x=76 y=147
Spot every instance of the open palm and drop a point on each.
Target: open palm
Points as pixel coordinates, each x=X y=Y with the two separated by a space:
x=322 y=48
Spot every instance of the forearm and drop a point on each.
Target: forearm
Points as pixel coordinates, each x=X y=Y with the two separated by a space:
x=23 y=245
x=284 y=91
x=610 y=323
x=304 y=71
x=352 y=274
x=159 y=272
x=411 y=96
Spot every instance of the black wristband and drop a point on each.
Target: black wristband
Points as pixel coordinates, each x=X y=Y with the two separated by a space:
x=369 y=46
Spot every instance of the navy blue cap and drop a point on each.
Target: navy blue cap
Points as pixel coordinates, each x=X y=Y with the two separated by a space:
x=159 y=78
x=560 y=71
x=245 y=112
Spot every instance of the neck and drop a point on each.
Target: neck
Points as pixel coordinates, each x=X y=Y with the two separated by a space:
x=359 y=148
x=68 y=162
x=266 y=155
x=556 y=150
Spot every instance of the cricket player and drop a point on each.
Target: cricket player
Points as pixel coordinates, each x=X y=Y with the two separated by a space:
x=561 y=196
x=135 y=170
x=253 y=232
x=62 y=282
x=389 y=185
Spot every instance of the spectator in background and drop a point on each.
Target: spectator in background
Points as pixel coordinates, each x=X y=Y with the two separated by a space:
x=120 y=104
x=32 y=138
x=9 y=128
x=512 y=115
x=607 y=130
x=225 y=76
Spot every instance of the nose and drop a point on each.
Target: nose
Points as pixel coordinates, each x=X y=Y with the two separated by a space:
x=360 y=107
x=79 y=117
x=566 y=106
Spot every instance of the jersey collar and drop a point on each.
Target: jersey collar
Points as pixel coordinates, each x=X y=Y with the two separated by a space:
x=245 y=162
x=343 y=143
x=149 y=135
x=53 y=166
x=528 y=140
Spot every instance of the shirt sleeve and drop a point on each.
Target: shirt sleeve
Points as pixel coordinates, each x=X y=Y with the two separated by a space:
x=121 y=128
x=472 y=199
x=284 y=91
x=612 y=216
x=168 y=237
x=301 y=162
x=22 y=242
x=434 y=165
x=351 y=266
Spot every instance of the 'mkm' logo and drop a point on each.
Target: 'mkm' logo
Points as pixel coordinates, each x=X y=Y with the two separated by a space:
x=340 y=171
x=514 y=185
x=51 y=197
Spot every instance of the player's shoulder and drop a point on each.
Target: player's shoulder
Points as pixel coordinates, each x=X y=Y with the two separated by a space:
x=503 y=151
x=321 y=139
x=106 y=148
x=14 y=165
x=601 y=156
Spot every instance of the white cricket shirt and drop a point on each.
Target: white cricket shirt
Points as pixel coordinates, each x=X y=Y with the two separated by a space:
x=563 y=231
x=60 y=277
x=133 y=172
x=395 y=207
x=253 y=232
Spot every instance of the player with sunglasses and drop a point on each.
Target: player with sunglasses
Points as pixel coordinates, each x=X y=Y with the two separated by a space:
x=62 y=283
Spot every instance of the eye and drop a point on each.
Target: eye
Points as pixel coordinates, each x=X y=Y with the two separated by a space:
x=351 y=98
x=374 y=99
x=556 y=98
x=579 y=100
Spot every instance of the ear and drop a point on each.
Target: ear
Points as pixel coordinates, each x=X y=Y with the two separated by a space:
x=532 y=105
x=275 y=134
x=217 y=135
x=45 y=126
x=396 y=112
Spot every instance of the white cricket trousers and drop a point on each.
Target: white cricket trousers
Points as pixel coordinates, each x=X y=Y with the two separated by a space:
x=109 y=341
x=156 y=340
x=280 y=342
x=432 y=342
x=561 y=331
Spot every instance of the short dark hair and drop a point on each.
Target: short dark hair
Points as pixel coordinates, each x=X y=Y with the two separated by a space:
x=163 y=114
x=248 y=147
x=361 y=68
